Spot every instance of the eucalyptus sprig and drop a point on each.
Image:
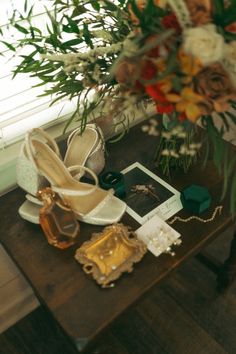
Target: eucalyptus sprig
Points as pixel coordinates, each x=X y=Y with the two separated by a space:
x=73 y=27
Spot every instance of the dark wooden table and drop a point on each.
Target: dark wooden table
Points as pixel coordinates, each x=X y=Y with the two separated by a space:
x=77 y=303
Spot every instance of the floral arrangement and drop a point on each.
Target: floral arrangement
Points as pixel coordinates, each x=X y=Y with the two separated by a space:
x=179 y=55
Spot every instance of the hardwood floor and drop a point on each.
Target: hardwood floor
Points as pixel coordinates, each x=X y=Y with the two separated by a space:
x=184 y=315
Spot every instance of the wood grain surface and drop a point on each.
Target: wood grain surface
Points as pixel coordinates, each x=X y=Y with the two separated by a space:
x=80 y=306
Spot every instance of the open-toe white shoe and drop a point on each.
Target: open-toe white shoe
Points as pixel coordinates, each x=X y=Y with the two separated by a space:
x=90 y=203
x=86 y=149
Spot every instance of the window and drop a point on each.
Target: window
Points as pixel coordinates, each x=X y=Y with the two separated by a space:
x=20 y=106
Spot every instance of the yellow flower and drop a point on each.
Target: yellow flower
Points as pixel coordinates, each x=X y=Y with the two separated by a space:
x=187 y=102
x=190 y=66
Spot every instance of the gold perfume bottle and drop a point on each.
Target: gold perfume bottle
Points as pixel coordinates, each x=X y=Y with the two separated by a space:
x=57 y=220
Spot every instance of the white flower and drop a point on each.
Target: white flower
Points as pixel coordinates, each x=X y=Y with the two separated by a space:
x=130 y=47
x=152 y=131
x=204 y=43
x=165 y=152
x=153 y=122
x=174 y=154
x=178 y=131
x=166 y=135
x=191 y=152
x=103 y=34
x=145 y=128
x=183 y=150
x=229 y=60
x=182 y=135
x=195 y=146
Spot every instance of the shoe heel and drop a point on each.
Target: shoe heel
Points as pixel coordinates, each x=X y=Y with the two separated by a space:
x=96 y=161
x=27 y=177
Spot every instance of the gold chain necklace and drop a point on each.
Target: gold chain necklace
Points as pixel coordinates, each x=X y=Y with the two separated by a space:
x=193 y=217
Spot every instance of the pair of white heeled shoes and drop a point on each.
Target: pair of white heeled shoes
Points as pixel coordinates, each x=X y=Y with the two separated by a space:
x=84 y=150
x=40 y=163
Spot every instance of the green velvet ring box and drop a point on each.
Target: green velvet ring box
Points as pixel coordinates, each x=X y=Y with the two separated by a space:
x=195 y=199
x=115 y=180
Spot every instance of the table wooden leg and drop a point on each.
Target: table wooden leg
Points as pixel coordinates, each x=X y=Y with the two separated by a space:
x=227 y=273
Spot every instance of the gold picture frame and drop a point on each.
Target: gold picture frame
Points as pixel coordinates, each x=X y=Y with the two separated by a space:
x=110 y=253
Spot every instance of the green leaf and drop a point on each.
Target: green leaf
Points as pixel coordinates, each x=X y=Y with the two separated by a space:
x=177 y=83
x=95 y=5
x=217 y=141
x=9 y=46
x=26 y=5
x=20 y=28
x=73 y=25
x=87 y=36
x=53 y=40
x=58 y=99
x=35 y=29
x=30 y=40
x=54 y=23
x=70 y=120
x=110 y=6
x=229 y=36
x=218 y=11
x=79 y=10
x=71 y=43
x=233 y=196
x=229 y=15
x=218 y=7
x=229 y=166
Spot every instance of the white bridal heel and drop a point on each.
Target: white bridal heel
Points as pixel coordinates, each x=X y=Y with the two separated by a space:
x=86 y=149
x=82 y=149
x=90 y=203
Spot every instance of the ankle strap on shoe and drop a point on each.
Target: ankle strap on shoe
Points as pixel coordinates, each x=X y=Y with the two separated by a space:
x=42 y=134
x=74 y=192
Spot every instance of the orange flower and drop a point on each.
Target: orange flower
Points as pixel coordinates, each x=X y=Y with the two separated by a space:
x=187 y=102
x=231 y=28
x=158 y=93
x=200 y=11
x=159 y=90
x=160 y=3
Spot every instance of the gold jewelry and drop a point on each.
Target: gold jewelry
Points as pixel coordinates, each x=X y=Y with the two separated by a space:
x=194 y=217
x=146 y=189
